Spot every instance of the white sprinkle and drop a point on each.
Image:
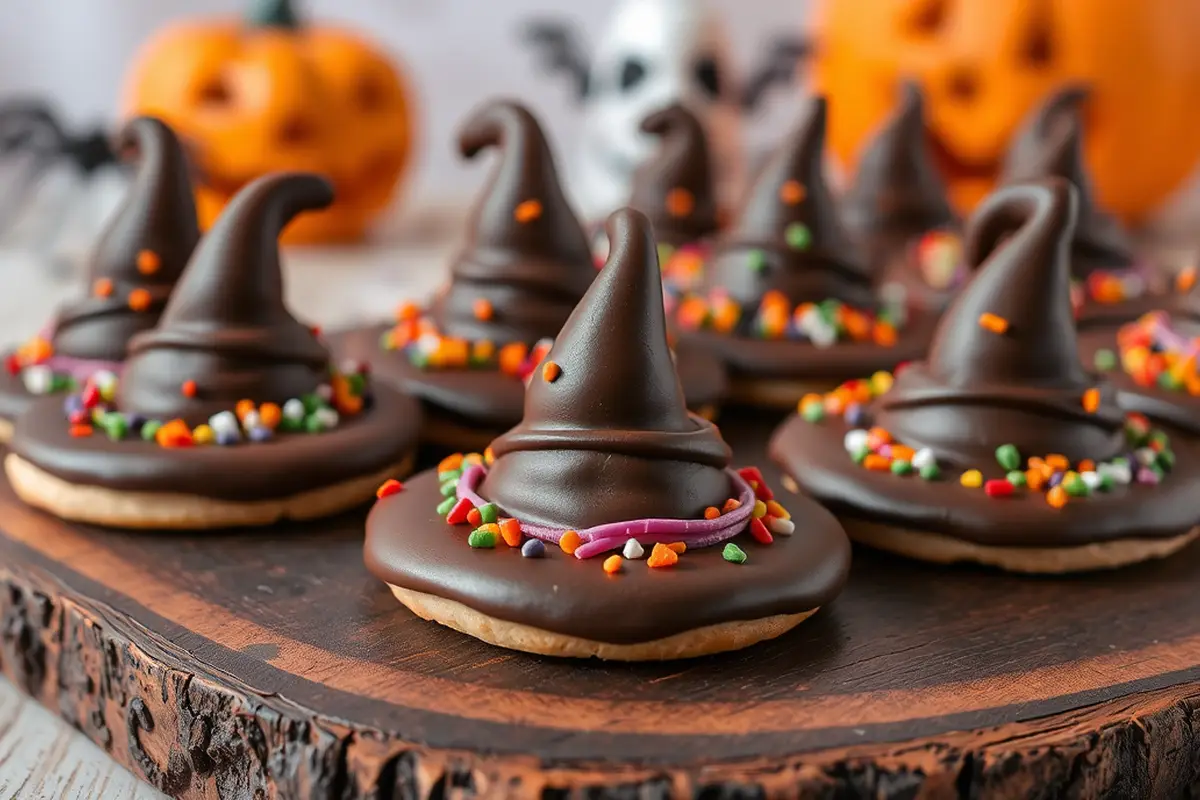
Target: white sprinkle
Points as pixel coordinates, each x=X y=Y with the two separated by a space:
x=923 y=458
x=104 y=379
x=350 y=367
x=325 y=392
x=327 y=417
x=251 y=420
x=1145 y=456
x=38 y=379
x=293 y=409
x=822 y=335
x=633 y=550
x=1090 y=479
x=224 y=422
x=427 y=343
x=782 y=527
x=855 y=440
x=1119 y=473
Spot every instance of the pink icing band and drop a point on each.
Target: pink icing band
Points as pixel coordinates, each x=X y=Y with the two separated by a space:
x=613 y=535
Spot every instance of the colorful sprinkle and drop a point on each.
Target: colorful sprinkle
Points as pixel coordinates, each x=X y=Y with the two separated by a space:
x=510 y=532
x=972 y=479
x=680 y=203
x=759 y=532
x=992 y=322
x=188 y=389
x=569 y=542
x=733 y=554
x=662 y=556
x=612 y=565
x=139 y=299
x=148 y=262
x=103 y=287
x=482 y=309
x=551 y=371
x=533 y=548
x=792 y=192
x=1008 y=457
x=633 y=550
x=388 y=488
x=459 y=512
x=798 y=236
x=527 y=211
x=484 y=536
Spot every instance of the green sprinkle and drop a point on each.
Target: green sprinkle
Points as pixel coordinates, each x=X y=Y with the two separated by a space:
x=114 y=425
x=481 y=537
x=150 y=428
x=448 y=488
x=1075 y=487
x=901 y=467
x=313 y=424
x=357 y=383
x=860 y=454
x=813 y=412
x=798 y=236
x=733 y=554
x=1159 y=437
x=1008 y=456
x=1106 y=360
x=61 y=382
x=1157 y=470
x=665 y=251
x=1167 y=380
x=446 y=506
x=1166 y=459
x=930 y=472
x=312 y=402
x=290 y=425
x=488 y=513
x=449 y=475
x=1016 y=478
x=418 y=359
x=756 y=260
x=1106 y=482
x=387 y=341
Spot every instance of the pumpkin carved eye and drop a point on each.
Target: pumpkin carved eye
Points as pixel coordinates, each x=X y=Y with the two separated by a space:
x=215 y=93
x=1037 y=48
x=928 y=17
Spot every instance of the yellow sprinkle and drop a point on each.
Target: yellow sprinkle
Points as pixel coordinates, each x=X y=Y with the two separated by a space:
x=760 y=509
x=202 y=434
x=972 y=479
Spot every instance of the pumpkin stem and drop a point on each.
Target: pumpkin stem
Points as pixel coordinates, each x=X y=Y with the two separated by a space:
x=273 y=14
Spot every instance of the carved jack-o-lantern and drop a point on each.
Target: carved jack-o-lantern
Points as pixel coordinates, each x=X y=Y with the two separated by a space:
x=271 y=94
x=984 y=65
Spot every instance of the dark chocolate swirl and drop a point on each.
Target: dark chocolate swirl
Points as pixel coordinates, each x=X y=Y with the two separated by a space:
x=226 y=329
x=675 y=187
x=609 y=438
x=527 y=259
x=788 y=237
x=141 y=254
x=1004 y=367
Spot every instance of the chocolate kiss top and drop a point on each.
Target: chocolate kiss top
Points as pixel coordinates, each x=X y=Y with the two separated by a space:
x=1004 y=366
x=226 y=327
x=788 y=236
x=142 y=253
x=675 y=187
x=609 y=438
x=1050 y=143
x=897 y=192
x=527 y=259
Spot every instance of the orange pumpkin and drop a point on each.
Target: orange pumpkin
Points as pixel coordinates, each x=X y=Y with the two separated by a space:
x=985 y=64
x=269 y=93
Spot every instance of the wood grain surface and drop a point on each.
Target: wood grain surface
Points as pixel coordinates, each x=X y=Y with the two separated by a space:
x=269 y=663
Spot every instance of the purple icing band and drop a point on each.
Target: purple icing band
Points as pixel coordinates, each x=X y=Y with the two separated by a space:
x=613 y=535
x=81 y=368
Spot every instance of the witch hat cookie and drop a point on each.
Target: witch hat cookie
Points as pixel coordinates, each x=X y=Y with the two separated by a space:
x=1113 y=285
x=130 y=275
x=788 y=300
x=898 y=208
x=228 y=413
x=607 y=523
x=1000 y=448
x=524 y=265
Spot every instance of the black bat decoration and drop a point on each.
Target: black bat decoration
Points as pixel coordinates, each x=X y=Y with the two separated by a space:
x=779 y=69
x=559 y=50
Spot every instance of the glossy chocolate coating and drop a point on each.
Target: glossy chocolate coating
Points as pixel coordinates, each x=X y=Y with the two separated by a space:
x=610 y=438
x=157 y=217
x=408 y=544
x=675 y=187
x=226 y=327
x=898 y=194
x=791 y=190
x=525 y=254
x=1025 y=385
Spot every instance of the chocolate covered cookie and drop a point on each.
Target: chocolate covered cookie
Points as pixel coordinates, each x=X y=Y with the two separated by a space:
x=1001 y=448
x=608 y=522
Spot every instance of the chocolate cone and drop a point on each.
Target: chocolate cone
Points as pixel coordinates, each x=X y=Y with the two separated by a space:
x=142 y=253
x=788 y=236
x=527 y=260
x=1004 y=366
x=226 y=327
x=609 y=438
x=1050 y=144
x=675 y=187
x=898 y=194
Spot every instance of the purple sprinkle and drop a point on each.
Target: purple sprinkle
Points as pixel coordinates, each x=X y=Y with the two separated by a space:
x=885 y=450
x=226 y=438
x=135 y=421
x=1146 y=475
x=368 y=399
x=533 y=548
x=261 y=433
x=854 y=415
x=1056 y=479
x=72 y=403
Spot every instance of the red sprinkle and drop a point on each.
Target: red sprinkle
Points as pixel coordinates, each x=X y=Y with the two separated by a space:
x=388 y=488
x=998 y=487
x=754 y=477
x=91 y=396
x=758 y=530
x=189 y=388
x=13 y=364
x=79 y=431
x=461 y=513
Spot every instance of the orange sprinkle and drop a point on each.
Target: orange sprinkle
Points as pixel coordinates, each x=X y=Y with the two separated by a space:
x=792 y=192
x=407 y=311
x=679 y=547
x=1087 y=465
x=388 y=487
x=510 y=532
x=550 y=372
x=992 y=322
x=570 y=542
x=474 y=518
x=883 y=334
x=680 y=203
x=1186 y=279
x=488 y=455
x=482 y=309
x=175 y=433
x=188 y=388
x=776 y=510
x=270 y=414
x=1057 y=462
x=79 y=431
x=1057 y=497
x=903 y=452
x=876 y=462
x=139 y=299
x=880 y=435
x=732 y=504
x=612 y=565
x=103 y=287
x=243 y=407
x=148 y=262
x=712 y=512
x=1091 y=400
x=527 y=211
x=1035 y=479
x=450 y=463
x=512 y=356
x=662 y=556
x=472 y=459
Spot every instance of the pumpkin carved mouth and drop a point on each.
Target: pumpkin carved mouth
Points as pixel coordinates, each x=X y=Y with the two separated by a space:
x=956 y=168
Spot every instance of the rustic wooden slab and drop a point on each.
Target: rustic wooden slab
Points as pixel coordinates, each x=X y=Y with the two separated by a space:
x=269 y=663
